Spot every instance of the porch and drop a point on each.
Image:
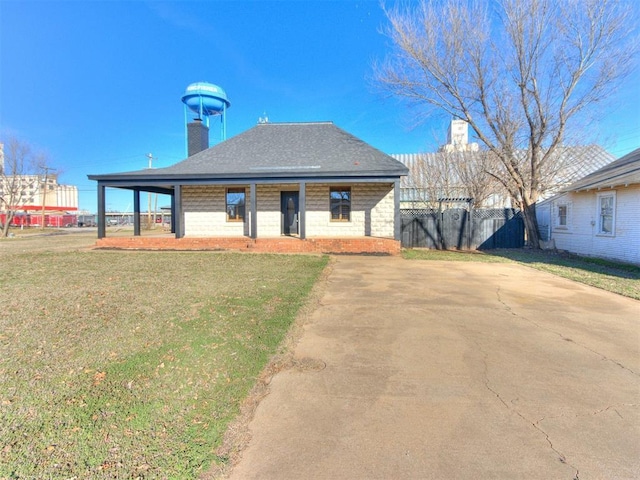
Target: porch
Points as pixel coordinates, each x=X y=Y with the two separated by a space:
x=284 y=244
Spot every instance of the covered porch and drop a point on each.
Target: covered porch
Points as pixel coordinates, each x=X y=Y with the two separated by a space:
x=295 y=187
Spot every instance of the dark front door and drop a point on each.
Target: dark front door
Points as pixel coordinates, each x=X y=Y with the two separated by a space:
x=289 y=209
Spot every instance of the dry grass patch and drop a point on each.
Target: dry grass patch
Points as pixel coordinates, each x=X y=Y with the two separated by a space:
x=620 y=278
x=131 y=364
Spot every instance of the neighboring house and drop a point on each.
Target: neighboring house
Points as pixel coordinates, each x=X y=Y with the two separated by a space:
x=599 y=215
x=305 y=180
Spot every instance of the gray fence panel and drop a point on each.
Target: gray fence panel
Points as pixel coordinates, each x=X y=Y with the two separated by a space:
x=460 y=229
x=419 y=228
x=455 y=229
x=498 y=228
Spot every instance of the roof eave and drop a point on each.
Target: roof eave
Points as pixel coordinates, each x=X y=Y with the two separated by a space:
x=248 y=176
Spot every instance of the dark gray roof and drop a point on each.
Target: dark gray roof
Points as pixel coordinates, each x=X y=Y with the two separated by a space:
x=624 y=171
x=277 y=150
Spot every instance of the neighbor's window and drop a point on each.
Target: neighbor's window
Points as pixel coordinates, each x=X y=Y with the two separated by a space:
x=606 y=213
x=235 y=204
x=340 y=198
x=562 y=215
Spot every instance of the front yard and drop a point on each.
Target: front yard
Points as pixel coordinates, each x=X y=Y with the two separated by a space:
x=120 y=364
x=131 y=364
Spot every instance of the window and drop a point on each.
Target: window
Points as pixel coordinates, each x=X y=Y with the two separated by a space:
x=235 y=204
x=340 y=204
x=562 y=215
x=606 y=213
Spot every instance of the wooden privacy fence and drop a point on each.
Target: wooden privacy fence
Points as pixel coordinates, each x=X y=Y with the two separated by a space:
x=462 y=229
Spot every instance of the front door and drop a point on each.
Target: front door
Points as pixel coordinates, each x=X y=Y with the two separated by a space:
x=289 y=210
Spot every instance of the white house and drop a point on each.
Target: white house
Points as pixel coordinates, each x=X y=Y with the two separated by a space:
x=598 y=215
x=308 y=181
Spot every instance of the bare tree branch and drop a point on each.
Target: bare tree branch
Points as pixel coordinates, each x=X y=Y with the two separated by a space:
x=518 y=74
x=21 y=172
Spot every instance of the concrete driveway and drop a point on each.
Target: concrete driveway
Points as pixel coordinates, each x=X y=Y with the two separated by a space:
x=430 y=370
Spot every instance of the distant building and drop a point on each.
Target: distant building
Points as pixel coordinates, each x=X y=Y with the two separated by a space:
x=458 y=138
x=33 y=194
x=456 y=171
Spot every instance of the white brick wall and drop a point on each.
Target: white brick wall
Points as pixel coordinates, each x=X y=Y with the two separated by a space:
x=203 y=207
x=372 y=211
x=582 y=236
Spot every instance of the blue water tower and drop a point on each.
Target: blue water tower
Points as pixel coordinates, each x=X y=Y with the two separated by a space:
x=206 y=100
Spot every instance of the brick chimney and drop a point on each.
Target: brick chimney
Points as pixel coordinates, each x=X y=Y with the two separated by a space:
x=197 y=137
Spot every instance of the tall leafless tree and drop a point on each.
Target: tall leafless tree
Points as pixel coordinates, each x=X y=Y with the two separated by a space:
x=518 y=71
x=21 y=176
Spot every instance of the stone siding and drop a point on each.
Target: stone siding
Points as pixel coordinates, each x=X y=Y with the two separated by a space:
x=204 y=210
x=372 y=211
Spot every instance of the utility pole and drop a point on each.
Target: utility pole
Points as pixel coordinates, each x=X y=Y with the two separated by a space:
x=150 y=157
x=44 y=195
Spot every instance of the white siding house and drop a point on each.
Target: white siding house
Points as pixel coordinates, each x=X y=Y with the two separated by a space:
x=598 y=215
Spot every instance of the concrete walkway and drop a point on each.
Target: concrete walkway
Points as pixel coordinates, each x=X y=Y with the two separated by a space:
x=429 y=370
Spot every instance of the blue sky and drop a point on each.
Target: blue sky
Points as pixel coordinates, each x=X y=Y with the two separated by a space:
x=97 y=84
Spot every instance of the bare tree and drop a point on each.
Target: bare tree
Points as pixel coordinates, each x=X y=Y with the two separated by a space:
x=21 y=174
x=518 y=74
x=452 y=174
x=430 y=177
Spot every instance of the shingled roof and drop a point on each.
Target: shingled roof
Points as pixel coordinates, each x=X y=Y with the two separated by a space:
x=279 y=150
x=624 y=171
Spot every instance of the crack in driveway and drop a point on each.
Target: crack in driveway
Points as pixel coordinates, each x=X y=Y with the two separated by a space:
x=561 y=456
x=562 y=336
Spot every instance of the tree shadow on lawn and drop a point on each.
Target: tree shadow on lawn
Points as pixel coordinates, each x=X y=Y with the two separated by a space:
x=569 y=260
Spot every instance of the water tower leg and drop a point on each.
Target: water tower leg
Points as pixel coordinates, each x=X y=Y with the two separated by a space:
x=186 y=134
x=224 y=122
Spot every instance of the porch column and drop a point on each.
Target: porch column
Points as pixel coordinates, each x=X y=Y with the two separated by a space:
x=177 y=212
x=101 y=213
x=173 y=212
x=397 y=233
x=302 y=214
x=136 y=212
x=253 y=211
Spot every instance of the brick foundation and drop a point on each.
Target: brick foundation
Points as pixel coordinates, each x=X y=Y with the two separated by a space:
x=355 y=245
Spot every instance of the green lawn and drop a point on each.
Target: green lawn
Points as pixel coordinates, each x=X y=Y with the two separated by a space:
x=620 y=278
x=131 y=364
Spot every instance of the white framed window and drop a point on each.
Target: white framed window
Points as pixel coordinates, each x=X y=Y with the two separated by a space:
x=562 y=215
x=235 y=204
x=606 y=213
x=340 y=204
x=563 y=212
